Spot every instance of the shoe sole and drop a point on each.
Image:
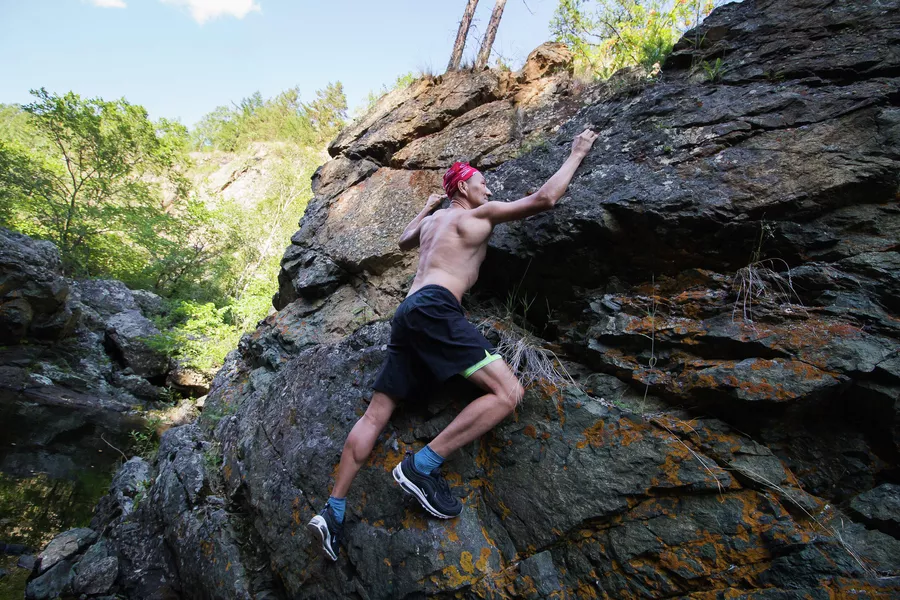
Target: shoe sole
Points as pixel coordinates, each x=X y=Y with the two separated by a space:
x=413 y=490
x=319 y=525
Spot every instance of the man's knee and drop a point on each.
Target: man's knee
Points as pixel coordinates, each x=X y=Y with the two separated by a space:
x=511 y=395
x=379 y=411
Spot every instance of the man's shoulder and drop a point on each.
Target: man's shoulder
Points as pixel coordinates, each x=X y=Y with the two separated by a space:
x=472 y=223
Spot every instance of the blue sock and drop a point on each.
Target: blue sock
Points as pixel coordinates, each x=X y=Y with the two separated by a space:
x=338 y=506
x=427 y=460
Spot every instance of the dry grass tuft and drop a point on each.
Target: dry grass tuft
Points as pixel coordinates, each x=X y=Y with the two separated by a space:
x=527 y=355
x=759 y=283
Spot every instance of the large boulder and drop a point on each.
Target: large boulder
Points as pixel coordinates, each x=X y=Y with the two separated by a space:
x=620 y=495
x=33 y=291
x=127 y=336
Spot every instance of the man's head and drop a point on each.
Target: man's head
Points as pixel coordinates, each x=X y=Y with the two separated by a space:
x=464 y=182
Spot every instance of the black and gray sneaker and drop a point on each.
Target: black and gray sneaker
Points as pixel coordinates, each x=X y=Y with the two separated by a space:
x=431 y=490
x=328 y=528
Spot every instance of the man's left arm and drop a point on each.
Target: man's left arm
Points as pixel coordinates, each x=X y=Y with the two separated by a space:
x=549 y=193
x=410 y=237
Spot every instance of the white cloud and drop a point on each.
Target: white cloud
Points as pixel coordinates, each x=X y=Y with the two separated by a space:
x=203 y=10
x=109 y=3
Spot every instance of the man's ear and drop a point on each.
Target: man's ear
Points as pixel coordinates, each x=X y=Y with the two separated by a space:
x=459 y=186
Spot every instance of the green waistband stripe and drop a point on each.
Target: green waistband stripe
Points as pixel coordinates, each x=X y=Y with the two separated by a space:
x=488 y=359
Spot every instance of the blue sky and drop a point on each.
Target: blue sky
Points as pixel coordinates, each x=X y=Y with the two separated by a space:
x=182 y=58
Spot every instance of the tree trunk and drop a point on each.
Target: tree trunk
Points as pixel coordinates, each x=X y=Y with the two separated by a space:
x=461 y=34
x=485 y=53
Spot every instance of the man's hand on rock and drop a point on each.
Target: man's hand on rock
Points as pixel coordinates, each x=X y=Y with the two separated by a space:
x=582 y=143
x=434 y=201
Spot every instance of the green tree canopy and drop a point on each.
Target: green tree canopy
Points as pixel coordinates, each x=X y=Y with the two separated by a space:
x=111 y=188
x=87 y=174
x=283 y=118
x=607 y=35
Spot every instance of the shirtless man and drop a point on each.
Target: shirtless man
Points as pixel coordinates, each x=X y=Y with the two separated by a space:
x=431 y=340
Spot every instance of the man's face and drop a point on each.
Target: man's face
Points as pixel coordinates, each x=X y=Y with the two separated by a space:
x=476 y=190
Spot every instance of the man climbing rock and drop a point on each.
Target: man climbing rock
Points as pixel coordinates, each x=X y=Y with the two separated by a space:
x=431 y=340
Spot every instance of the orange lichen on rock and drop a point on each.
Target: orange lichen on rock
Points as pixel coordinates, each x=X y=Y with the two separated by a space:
x=630 y=432
x=451 y=531
x=385 y=457
x=452 y=578
x=454 y=479
x=414 y=519
x=483 y=557
x=465 y=561
x=593 y=435
x=670 y=468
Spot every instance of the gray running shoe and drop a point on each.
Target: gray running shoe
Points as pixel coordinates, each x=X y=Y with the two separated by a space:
x=328 y=528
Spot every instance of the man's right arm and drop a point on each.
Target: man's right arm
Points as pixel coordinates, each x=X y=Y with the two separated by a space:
x=549 y=193
x=409 y=239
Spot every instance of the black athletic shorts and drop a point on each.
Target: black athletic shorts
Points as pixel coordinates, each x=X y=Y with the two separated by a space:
x=431 y=340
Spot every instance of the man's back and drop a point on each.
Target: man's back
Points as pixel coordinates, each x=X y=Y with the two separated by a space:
x=452 y=246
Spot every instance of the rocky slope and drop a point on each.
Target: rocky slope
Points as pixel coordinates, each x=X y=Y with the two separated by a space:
x=75 y=379
x=721 y=282
x=83 y=338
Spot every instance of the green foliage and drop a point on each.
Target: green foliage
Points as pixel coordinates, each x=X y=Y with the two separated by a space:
x=202 y=328
x=87 y=174
x=713 y=70
x=145 y=441
x=607 y=35
x=283 y=118
x=110 y=188
x=212 y=457
x=198 y=334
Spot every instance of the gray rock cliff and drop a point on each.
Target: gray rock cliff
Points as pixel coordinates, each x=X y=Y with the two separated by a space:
x=720 y=281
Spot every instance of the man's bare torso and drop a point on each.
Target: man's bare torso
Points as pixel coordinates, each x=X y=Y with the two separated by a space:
x=452 y=245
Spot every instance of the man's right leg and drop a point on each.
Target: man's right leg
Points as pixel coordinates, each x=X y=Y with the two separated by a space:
x=329 y=524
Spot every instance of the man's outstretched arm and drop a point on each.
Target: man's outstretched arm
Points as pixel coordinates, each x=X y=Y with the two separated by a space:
x=549 y=193
x=410 y=237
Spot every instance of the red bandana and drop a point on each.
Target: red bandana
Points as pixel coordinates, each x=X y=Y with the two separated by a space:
x=460 y=171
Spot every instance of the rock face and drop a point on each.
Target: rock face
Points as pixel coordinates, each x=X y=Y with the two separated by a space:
x=85 y=337
x=720 y=282
x=74 y=367
x=345 y=255
x=33 y=294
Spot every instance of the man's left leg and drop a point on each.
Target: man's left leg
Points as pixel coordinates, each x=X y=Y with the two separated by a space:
x=329 y=524
x=504 y=392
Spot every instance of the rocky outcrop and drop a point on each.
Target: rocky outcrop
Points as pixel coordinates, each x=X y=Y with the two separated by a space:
x=345 y=256
x=33 y=293
x=84 y=336
x=69 y=392
x=720 y=282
